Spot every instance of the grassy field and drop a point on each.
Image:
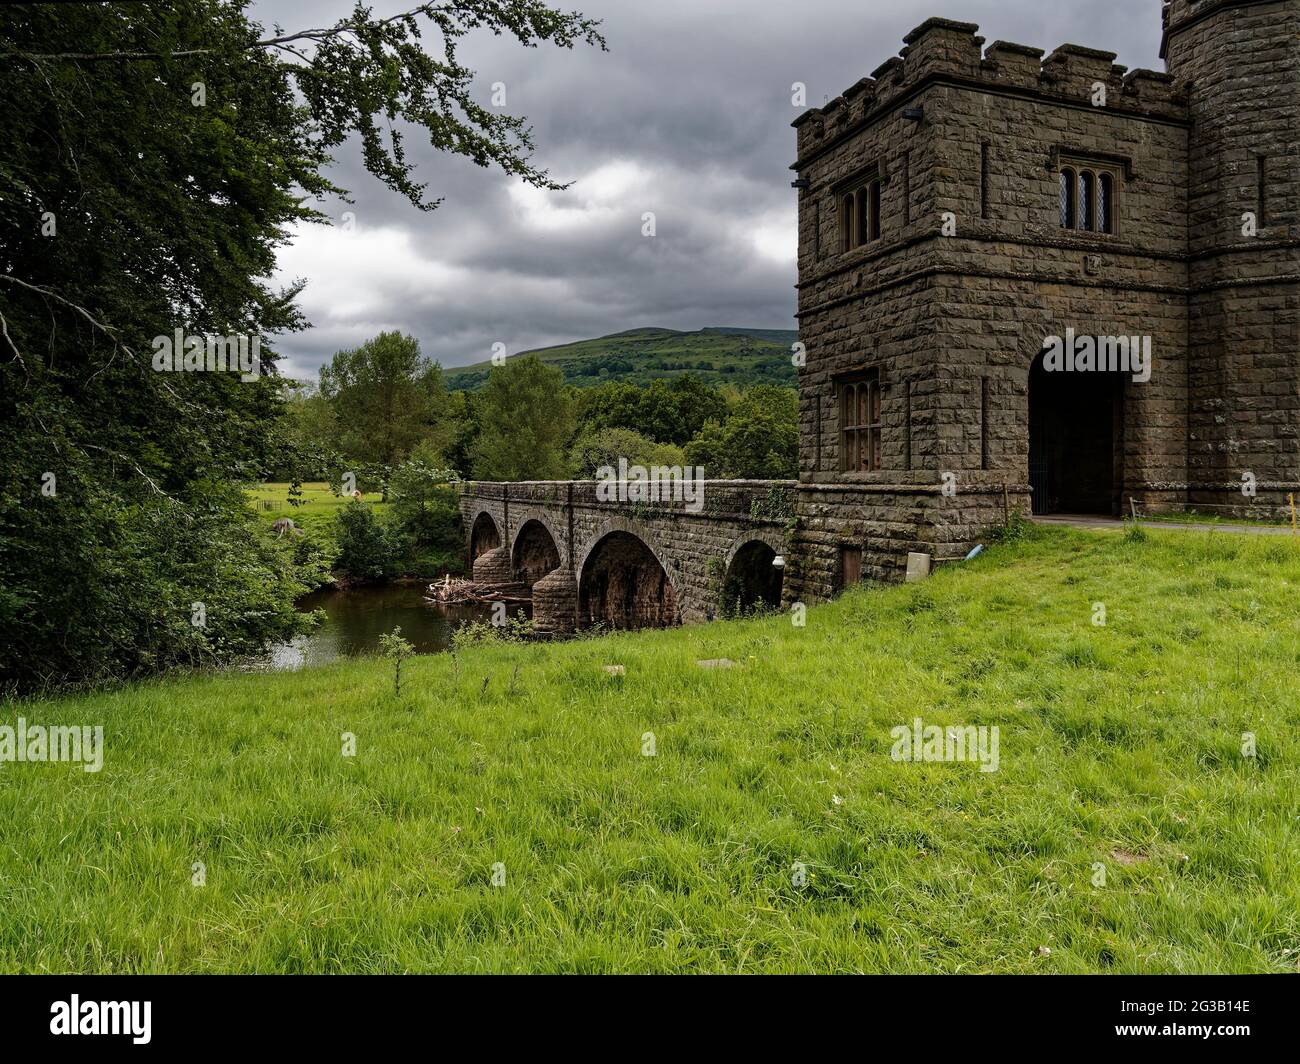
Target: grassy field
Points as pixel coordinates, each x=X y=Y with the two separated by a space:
x=1120 y=752
x=742 y=357
x=317 y=518
x=316 y=498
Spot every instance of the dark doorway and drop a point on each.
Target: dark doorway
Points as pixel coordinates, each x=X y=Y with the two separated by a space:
x=752 y=581
x=850 y=566
x=1076 y=453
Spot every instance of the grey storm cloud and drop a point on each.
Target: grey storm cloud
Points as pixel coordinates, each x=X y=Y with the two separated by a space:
x=686 y=116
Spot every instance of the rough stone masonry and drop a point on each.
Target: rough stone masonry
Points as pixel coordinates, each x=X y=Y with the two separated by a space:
x=961 y=210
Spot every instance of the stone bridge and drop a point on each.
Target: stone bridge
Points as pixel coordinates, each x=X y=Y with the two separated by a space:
x=586 y=561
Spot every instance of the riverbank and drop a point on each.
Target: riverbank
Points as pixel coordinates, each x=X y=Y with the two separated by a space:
x=771 y=829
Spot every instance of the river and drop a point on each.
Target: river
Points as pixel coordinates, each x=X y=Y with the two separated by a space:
x=357 y=617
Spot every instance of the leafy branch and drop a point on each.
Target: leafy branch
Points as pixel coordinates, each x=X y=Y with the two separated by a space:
x=364 y=69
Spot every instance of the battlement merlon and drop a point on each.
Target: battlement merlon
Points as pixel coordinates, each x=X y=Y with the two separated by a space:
x=941 y=50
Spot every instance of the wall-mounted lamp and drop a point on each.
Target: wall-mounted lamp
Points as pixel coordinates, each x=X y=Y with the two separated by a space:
x=914 y=114
x=778 y=562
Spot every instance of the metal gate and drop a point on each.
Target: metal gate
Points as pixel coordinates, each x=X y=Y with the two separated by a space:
x=1038 y=482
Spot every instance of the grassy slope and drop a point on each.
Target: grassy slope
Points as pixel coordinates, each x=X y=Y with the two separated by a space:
x=741 y=357
x=1118 y=745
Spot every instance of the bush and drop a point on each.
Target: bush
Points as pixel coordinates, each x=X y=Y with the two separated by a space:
x=604 y=447
x=136 y=587
x=426 y=522
x=516 y=629
x=1016 y=530
x=365 y=547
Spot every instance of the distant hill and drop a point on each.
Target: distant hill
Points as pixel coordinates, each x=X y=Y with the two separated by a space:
x=742 y=357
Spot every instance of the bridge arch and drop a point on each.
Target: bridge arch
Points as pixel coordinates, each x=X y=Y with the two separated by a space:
x=535 y=551
x=554 y=521
x=624 y=582
x=751 y=579
x=485 y=535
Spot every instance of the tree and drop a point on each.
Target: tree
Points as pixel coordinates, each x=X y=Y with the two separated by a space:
x=759 y=440
x=155 y=156
x=385 y=399
x=604 y=447
x=611 y=405
x=365 y=550
x=426 y=510
x=696 y=404
x=310 y=435
x=667 y=411
x=465 y=416
x=526 y=420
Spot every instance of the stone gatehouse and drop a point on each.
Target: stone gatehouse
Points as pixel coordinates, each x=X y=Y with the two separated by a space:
x=963 y=213
x=965 y=204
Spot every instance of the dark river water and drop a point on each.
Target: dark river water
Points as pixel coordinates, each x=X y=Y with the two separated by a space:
x=356 y=618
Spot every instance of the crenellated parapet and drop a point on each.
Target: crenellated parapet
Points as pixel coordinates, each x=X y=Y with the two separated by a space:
x=944 y=51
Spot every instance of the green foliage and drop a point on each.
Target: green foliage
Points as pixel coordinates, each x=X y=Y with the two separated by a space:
x=314 y=552
x=526 y=419
x=384 y=399
x=732 y=434
x=758 y=440
x=778 y=504
x=516 y=629
x=396 y=649
x=365 y=549
x=425 y=517
x=665 y=411
x=98 y=587
x=604 y=447
x=1016 y=530
x=311 y=436
x=393 y=645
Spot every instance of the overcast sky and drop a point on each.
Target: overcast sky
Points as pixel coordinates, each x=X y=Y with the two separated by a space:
x=687 y=115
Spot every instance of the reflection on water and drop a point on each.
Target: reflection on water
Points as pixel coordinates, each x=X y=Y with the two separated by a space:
x=356 y=618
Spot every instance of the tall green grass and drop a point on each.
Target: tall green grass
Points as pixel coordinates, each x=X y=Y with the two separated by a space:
x=1120 y=748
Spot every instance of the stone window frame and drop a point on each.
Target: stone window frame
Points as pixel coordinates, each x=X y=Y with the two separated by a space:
x=858 y=202
x=859 y=405
x=1089 y=177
